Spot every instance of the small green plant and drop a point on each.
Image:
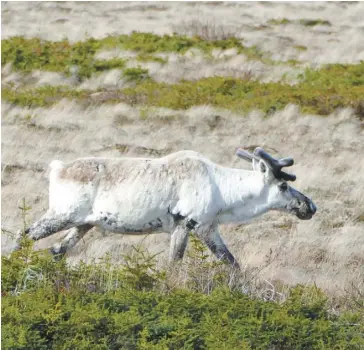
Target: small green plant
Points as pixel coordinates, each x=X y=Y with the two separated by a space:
x=205 y=273
x=304 y=22
x=139 y=271
x=148 y=57
x=137 y=74
x=101 y=65
x=314 y=22
x=281 y=21
x=300 y=48
x=43 y=96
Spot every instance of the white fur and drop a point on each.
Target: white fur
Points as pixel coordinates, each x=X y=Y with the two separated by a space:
x=180 y=192
x=209 y=192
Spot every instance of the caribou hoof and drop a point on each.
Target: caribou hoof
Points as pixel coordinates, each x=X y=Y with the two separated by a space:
x=57 y=251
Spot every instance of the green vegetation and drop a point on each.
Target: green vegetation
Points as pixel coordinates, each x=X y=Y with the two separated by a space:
x=49 y=305
x=314 y=22
x=28 y=54
x=147 y=43
x=319 y=92
x=41 y=97
x=282 y=21
x=148 y=57
x=304 y=22
x=61 y=56
x=300 y=48
x=136 y=74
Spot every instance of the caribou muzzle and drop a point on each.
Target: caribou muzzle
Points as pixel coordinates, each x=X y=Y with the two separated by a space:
x=305 y=209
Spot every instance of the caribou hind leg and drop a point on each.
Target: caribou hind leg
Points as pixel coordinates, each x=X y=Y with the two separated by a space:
x=178 y=243
x=72 y=238
x=48 y=224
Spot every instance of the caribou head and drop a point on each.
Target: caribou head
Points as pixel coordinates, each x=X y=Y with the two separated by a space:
x=280 y=195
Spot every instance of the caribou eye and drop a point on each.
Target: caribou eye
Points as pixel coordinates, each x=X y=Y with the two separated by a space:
x=283 y=187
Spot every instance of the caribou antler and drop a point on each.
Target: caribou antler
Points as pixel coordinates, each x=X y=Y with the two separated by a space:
x=274 y=164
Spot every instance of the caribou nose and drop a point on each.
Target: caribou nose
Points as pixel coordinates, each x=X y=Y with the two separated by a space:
x=312 y=207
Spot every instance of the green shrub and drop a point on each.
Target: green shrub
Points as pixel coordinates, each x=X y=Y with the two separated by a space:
x=136 y=74
x=147 y=43
x=101 y=306
x=314 y=22
x=279 y=21
x=60 y=56
x=320 y=92
x=43 y=96
x=304 y=22
x=148 y=57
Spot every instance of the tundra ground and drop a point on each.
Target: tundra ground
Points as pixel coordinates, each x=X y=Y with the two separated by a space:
x=289 y=37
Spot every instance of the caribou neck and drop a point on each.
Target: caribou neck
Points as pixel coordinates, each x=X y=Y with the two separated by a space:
x=243 y=193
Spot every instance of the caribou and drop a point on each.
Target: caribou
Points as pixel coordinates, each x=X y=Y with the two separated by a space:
x=177 y=194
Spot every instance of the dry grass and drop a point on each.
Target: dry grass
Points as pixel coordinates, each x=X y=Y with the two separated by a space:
x=326 y=250
x=273 y=250
x=206 y=30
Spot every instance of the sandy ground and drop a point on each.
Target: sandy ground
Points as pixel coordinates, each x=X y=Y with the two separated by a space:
x=327 y=250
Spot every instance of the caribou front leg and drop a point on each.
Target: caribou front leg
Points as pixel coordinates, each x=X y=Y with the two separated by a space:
x=178 y=243
x=211 y=237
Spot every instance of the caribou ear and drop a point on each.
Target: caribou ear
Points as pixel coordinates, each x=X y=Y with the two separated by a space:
x=260 y=165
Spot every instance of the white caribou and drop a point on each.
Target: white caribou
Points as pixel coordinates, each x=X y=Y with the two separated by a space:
x=178 y=193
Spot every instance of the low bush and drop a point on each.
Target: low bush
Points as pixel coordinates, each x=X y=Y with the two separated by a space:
x=304 y=22
x=47 y=304
x=43 y=96
x=319 y=92
x=62 y=56
x=314 y=22
x=137 y=74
